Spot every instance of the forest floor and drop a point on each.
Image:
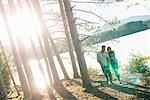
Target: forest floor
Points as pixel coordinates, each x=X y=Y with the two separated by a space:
x=131 y=88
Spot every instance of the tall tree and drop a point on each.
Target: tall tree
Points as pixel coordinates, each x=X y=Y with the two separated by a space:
x=77 y=44
x=36 y=6
x=49 y=91
x=41 y=46
x=21 y=74
x=45 y=59
x=25 y=61
x=66 y=76
x=69 y=43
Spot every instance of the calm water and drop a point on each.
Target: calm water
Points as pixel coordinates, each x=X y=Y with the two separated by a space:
x=123 y=47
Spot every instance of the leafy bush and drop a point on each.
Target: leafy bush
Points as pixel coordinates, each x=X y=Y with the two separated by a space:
x=5 y=73
x=93 y=71
x=139 y=65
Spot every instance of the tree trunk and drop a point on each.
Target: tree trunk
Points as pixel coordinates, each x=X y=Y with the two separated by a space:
x=42 y=48
x=45 y=36
x=57 y=53
x=49 y=91
x=69 y=43
x=45 y=59
x=35 y=93
x=59 y=58
x=77 y=44
x=21 y=74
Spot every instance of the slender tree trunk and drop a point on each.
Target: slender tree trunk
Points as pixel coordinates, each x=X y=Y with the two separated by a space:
x=49 y=91
x=45 y=36
x=3 y=52
x=70 y=48
x=56 y=52
x=42 y=48
x=77 y=44
x=35 y=93
x=21 y=74
x=59 y=58
x=22 y=50
x=46 y=60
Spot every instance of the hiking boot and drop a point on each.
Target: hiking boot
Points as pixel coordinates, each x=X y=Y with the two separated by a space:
x=111 y=82
x=107 y=82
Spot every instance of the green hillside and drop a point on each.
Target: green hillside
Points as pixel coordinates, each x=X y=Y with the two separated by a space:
x=122 y=30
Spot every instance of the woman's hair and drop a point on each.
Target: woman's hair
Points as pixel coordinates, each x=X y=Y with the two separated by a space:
x=108 y=48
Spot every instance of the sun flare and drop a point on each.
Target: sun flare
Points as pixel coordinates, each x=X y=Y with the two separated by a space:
x=24 y=26
x=39 y=79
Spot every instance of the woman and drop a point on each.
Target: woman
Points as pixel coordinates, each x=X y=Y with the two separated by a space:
x=114 y=62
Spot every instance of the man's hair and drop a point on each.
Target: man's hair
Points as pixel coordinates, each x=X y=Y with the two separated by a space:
x=103 y=46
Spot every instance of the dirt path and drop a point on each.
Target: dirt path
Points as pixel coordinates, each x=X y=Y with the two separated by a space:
x=72 y=90
x=100 y=90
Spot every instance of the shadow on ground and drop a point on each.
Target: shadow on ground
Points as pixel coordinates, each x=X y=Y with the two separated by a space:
x=125 y=89
x=104 y=96
x=137 y=86
x=64 y=93
x=96 y=92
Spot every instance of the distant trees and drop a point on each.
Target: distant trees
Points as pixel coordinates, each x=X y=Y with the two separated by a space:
x=126 y=29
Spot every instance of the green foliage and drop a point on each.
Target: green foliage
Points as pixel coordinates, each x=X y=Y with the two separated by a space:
x=92 y=71
x=123 y=30
x=5 y=73
x=83 y=89
x=139 y=65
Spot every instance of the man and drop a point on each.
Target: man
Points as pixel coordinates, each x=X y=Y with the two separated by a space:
x=114 y=63
x=103 y=59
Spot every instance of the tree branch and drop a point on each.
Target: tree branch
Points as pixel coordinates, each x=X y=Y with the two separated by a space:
x=87 y=21
x=84 y=38
x=96 y=16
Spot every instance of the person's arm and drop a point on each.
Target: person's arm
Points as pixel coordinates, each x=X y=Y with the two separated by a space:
x=113 y=54
x=108 y=59
x=98 y=59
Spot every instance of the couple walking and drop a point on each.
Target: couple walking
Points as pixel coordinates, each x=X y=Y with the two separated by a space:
x=107 y=59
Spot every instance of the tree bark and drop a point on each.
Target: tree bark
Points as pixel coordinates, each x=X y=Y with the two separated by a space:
x=21 y=74
x=35 y=93
x=59 y=58
x=25 y=61
x=77 y=44
x=69 y=43
x=42 y=48
x=45 y=59
x=49 y=91
x=45 y=36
